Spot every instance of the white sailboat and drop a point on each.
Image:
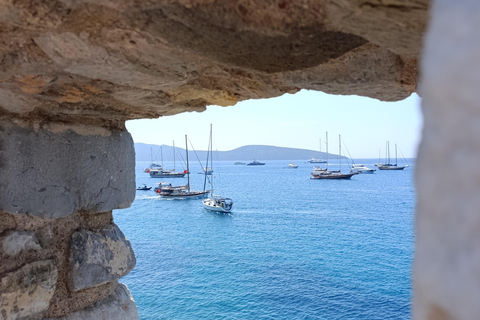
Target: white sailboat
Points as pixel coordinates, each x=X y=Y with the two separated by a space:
x=215 y=203
x=181 y=192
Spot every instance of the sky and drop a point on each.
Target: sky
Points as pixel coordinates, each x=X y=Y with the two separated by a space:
x=297 y=121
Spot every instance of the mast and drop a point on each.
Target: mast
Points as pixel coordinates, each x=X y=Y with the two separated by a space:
x=211 y=160
x=188 y=169
x=388 y=152
x=395 y=154
x=173 y=155
x=326 y=145
x=161 y=154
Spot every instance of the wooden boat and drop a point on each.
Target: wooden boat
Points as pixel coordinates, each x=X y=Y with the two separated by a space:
x=387 y=165
x=321 y=174
x=181 y=192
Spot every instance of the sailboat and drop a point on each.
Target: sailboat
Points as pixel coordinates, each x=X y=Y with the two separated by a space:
x=215 y=203
x=315 y=160
x=319 y=173
x=161 y=173
x=181 y=192
x=387 y=165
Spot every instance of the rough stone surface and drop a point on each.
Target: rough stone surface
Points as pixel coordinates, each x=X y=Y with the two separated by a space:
x=103 y=62
x=54 y=171
x=26 y=292
x=447 y=254
x=99 y=257
x=14 y=242
x=118 y=306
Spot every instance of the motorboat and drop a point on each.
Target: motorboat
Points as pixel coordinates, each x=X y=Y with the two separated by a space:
x=239 y=163
x=255 y=163
x=361 y=168
x=144 y=187
x=207 y=171
x=292 y=166
x=160 y=173
x=152 y=166
x=314 y=160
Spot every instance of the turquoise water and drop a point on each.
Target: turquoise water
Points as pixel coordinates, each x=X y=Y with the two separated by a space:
x=293 y=248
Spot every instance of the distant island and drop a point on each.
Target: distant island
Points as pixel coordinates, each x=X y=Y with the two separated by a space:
x=144 y=152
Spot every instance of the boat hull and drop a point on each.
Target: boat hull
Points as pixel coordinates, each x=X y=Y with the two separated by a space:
x=184 y=194
x=167 y=175
x=333 y=176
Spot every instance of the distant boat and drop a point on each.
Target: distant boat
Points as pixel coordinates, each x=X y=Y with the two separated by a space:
x=320 y=173
x=387 y=165
x=313 y=160
x=292 y=166
x=255 y=163
x=181 y=192
x=239 y=163
x=215 y=203
x=144 y=187
x=206 y=171
x=361 y=168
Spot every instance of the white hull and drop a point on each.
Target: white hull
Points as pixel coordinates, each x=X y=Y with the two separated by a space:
x=213 y=205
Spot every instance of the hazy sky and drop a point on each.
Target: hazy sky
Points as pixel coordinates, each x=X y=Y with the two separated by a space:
x=296 y=121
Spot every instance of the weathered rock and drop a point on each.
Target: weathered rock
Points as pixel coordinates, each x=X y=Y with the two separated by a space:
x=447 y=252
x=118 y=306
x=103 y=62
x=14 y=242
x=55 y=171
x=26 y=292
x=98 y=258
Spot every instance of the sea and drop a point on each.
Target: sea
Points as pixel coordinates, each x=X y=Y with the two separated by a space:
x=292 y=248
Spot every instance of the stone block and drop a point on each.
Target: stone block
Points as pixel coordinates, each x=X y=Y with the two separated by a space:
x=26 y=292
x=55 y=171
x=15 y=242
x=99 y=257
x=118 y=306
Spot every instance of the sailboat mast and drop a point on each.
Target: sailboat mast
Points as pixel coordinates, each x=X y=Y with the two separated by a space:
x=211 y=160
x=340 y=149
x=173 y=155
x=188 y=169
x=161 y=154
x=396 y=154
x=388 y=152
x=326 y=146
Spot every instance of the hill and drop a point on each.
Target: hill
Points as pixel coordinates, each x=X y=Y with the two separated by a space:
x=145 y=152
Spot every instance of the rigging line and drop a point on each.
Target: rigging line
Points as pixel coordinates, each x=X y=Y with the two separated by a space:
x=403 y=155
x=206 y=165
x=177 y=149
x=351 y=159
x=196 y=155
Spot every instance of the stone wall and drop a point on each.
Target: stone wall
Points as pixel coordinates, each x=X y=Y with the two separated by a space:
x=61 y=254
